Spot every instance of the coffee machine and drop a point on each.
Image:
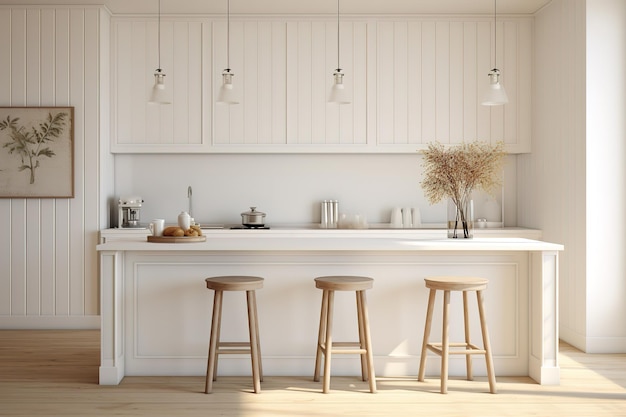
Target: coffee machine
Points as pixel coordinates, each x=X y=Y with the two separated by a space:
x=129 y=208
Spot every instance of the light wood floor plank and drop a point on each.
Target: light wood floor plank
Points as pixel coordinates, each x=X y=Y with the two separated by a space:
x=55 y=373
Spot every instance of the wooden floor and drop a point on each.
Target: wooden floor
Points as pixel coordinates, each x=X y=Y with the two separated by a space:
x=55 y=373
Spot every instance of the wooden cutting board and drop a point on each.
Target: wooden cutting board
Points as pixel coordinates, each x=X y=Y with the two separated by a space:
x=176 y=239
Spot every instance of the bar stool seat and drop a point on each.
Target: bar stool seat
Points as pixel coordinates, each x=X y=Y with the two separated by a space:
x=234 y=283
x=464 y=284
x=325 y=345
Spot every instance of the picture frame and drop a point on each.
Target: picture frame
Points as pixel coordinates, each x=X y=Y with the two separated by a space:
x=36 y=152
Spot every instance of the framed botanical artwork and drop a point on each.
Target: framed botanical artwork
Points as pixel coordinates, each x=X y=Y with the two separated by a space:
x=36 y=152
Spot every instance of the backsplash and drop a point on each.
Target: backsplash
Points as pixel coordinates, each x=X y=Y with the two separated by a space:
x=288 y=187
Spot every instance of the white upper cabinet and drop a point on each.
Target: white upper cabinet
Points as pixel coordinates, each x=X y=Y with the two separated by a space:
x=258 y=51
x=426 y=78
x=138 y=126
x=412 y=80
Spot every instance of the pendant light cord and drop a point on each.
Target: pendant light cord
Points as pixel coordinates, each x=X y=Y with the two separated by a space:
x=338 y=66
x=228 y=36
x=159 y=35
x=495 y=34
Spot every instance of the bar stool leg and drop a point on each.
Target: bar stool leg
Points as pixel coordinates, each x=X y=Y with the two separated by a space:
x=329 y=342
x=218 y=338
x=468 y=358
x=368 y=342
x=254 y=353
x=445 y=342
x=362 y=344
x=429 y=319
x=258 y=339
x=321 y=338
x=488 y=358
x=213 y=343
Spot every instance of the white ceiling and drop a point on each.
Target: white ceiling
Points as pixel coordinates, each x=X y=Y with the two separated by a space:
x=307 y=6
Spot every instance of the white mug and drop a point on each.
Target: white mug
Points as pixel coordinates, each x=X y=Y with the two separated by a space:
x=157 y=226
x=417 y=217
x=407 y=221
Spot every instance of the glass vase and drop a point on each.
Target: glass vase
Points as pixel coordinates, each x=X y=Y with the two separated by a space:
x=461 y=219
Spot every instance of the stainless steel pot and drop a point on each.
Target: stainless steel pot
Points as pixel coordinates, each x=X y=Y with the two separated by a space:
x=253 y=218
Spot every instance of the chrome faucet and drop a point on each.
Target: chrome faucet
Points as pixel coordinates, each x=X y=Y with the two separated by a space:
x=189 y=193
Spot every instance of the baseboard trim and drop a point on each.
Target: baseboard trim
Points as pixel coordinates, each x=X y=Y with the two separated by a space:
x=573 y=338
x=590 y=344
x=50 y=322
x=606 y=345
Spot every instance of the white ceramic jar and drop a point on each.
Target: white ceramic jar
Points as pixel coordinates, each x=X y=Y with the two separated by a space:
x=184 y=220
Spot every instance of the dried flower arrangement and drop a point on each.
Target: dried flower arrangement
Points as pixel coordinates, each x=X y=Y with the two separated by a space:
x=456 y=171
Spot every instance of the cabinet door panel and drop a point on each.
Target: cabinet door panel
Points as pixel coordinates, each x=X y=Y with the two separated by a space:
x=138 y=126
x=430 y=75
x=258 y=59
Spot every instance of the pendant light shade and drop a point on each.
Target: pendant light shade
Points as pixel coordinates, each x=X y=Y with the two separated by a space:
x=494 y=94
x=227 y=93
x=338 y=92
x=159 y=94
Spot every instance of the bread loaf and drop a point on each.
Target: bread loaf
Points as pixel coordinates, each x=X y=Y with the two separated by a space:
x=176 y=231
x=173 y=231
x=191 y=232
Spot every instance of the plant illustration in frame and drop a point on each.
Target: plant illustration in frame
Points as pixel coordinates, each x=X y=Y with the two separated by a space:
x=36 y=152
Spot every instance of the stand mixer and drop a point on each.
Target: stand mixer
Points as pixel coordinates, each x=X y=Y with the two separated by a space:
x=129 y=208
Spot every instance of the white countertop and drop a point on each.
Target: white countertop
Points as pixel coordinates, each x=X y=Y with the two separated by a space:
x=283 y=242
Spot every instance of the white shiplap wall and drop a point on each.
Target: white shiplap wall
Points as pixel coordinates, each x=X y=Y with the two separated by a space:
x=605 y=158
x=54 y=56
x=572 y=185
x=552 y=179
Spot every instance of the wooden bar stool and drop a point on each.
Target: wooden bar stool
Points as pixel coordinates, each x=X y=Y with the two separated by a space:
x=464 y=284
x=253 y=347
x=325 y=344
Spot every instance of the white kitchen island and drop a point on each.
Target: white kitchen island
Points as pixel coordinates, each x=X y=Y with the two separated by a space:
x=155 y=307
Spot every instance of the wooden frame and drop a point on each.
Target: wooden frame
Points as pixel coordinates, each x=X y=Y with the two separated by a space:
x=36 y=152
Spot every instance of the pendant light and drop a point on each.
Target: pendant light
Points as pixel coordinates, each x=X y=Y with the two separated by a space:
x=338 y=92
x=494 y=95
x=227 y=94
x=159 y=93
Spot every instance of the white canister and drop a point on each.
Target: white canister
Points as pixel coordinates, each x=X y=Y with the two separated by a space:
x=184 y=220
x=324 y=217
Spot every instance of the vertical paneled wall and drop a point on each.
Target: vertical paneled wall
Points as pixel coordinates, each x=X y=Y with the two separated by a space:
x=48 y=265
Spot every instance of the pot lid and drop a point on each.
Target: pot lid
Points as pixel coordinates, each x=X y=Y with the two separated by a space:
x=253 y=212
